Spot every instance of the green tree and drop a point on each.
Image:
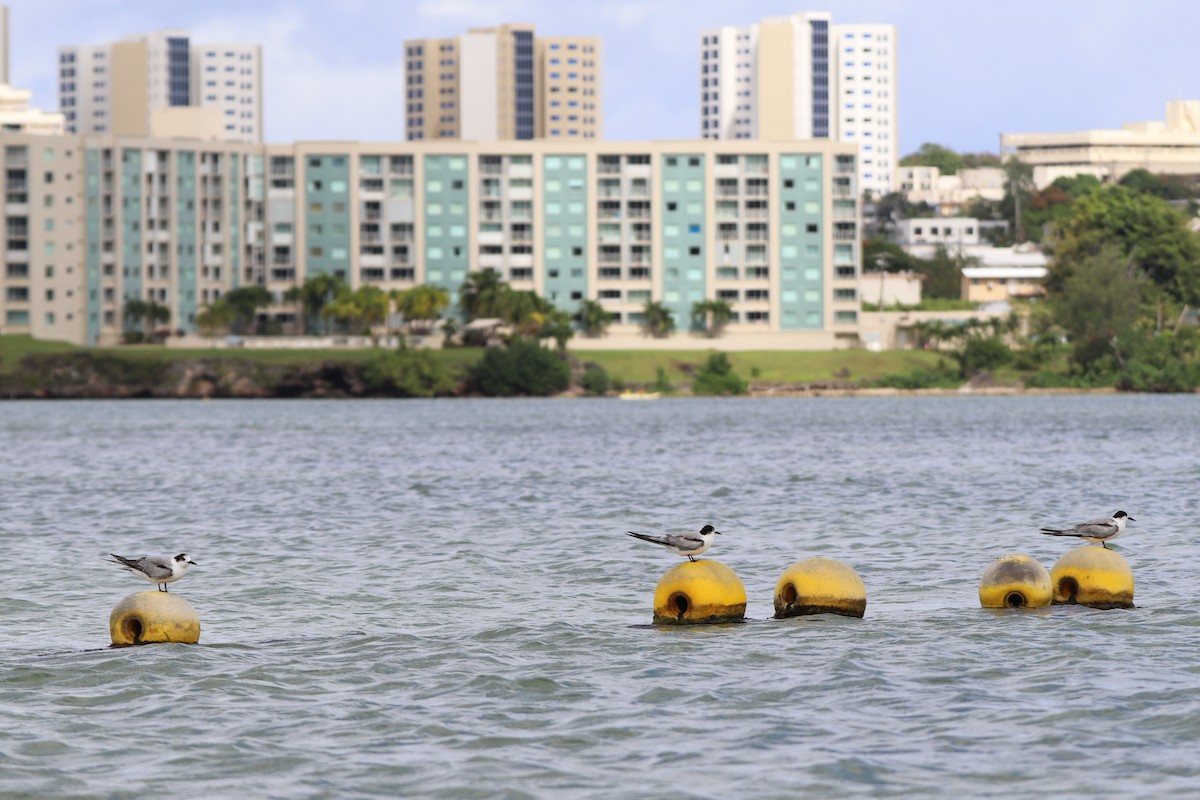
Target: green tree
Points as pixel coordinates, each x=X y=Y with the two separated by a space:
x=1168 y=187
x=481 y=294
x=1097 y=304
x=421 y=305
x=717 y=377
x=314 y=294
x=1153 y=237
x=712 y=316
x=1019 y=191
x=407 y=373
x=558 y=326
x=245 y=302
x=929 y=154
x=942 y=274
x=593 y=318
x=148 y=314
x=215 y=316
x=595 y=380
x=522 y=368
x=657 y=319
x=359 y=311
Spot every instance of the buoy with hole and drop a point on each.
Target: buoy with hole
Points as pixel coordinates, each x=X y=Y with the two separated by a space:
x=820 y=586
x=697 y=592
x=153 y=617
x=1015 y=581
x=1096 y=577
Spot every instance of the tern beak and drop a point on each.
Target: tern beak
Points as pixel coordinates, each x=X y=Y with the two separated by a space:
x=193 y=563
x=1131 y=519
x=718 y=533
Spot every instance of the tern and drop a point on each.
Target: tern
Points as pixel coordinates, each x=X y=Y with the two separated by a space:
x=685 y=544
x=1101 y=529
x=156 y=569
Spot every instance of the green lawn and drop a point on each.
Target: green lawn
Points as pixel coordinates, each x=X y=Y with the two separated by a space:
x=793 y=366
x=14 y=348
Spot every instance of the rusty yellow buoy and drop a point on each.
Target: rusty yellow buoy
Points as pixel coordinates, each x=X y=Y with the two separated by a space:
x=153 y=617
x=697 y=592
x=1015 y=581
x=820 y=586
x=1092 y=576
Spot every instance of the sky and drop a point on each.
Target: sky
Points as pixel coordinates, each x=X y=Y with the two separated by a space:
x=969 y=70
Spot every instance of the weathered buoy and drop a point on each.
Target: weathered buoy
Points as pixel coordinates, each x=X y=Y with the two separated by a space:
x=153 y=617
x=697 y=592
x=820 y=586
x=1092 y=576
x=1015 y=581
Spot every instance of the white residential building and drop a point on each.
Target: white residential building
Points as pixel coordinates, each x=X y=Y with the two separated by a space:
x=803 y=77
x=163 y=84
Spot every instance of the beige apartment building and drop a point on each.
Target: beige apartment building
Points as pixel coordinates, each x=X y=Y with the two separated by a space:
x=495 y=84
x=772 y=228
x=163 y=84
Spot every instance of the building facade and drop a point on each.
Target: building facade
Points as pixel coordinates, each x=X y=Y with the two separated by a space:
x=161 y=84
x=770 y=227
x=493 y=84
x=802 y=77
x=1170 y=146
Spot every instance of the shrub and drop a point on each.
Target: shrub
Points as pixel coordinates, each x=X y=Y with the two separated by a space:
x=980 y=354
x=939 y=377
x=717 y=377
x=523 y=368
x=595 y=380
x=407 y=373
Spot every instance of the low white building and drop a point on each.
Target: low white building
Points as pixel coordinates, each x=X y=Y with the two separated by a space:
x=951 y=232
x=991 y=283
x=950 y=194
x=17 y=116
x=903 y=288
x=1170 y=146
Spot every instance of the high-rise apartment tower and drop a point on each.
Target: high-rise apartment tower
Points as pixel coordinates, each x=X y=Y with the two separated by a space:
x=163 y=84
x=802 y=77
x=503 y=83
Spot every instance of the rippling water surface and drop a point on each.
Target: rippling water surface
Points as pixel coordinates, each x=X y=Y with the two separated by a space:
x=435 y=599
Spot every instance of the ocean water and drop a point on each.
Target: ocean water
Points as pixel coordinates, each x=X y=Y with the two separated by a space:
x=436 y=599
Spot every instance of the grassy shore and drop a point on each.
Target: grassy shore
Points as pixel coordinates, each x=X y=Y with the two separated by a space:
x=629 y=366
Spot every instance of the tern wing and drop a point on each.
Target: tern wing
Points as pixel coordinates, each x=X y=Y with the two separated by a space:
x=156 y=567
x=1099 y=527
x=683 y=541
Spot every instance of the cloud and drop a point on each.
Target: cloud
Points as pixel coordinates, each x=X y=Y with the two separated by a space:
x=472 y=13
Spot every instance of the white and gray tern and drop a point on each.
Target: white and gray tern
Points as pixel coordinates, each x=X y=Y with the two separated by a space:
x=1101 y=529
x=156 y=569
x=685 y=544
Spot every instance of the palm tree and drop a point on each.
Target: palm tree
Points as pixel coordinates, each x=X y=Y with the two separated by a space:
x=594 y=319
x=421 y=305
x=712 y=316
x=214 y=316
x=480 y=294
x=147 y=313
x=314 y=294
x=245 y=302
x=557 y=326
x=657 y=319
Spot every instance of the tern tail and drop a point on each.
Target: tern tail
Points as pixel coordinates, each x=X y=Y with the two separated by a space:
x=645 y=538
x=1057 y=532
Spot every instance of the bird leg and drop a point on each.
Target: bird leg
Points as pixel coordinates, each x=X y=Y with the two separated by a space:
x=691 y=559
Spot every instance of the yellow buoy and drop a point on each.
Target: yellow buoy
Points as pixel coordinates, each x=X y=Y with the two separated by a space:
x=820 y=586
x=1094 y=577
x=1015 y=581
x=696 y=592
x=153 y=617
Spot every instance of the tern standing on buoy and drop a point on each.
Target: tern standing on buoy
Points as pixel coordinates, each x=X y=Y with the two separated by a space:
x=156 y=569
x=1101 y=529
x=685 y=544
